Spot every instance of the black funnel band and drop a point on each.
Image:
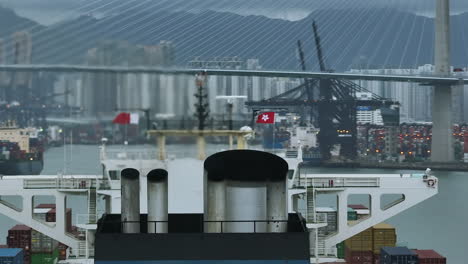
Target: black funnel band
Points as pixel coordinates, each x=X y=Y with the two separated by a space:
x=246 y=165
x=130 y=173
x=157 y=175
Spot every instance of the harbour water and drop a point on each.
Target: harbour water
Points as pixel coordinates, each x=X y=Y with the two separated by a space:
x=439 y=223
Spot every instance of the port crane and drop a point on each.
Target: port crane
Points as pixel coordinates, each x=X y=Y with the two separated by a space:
x=331 y=105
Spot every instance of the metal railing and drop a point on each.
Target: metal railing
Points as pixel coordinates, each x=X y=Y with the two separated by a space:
x=69 y=183
x=336 y=182
x=247 y=226
x=129 y=154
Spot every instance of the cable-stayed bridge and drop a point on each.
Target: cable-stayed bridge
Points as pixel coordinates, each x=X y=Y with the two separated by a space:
x=386 y=35
x=426 y=80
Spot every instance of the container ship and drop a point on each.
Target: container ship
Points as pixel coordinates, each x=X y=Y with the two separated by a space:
x=21 y=151
x=238 y=206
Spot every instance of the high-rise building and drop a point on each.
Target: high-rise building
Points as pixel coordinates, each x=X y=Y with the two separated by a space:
x=415 y=99
x=20 y=85
x=103 y=94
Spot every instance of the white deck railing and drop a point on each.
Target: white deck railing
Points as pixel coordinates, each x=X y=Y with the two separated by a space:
x=60 y=183
x=338 y=182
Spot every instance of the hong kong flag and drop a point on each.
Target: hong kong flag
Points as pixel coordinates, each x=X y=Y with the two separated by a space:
x=122 y=118
x=266 y=118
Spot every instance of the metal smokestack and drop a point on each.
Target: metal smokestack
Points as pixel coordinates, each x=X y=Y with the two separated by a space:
x=277 y=200
x=214 y=200
x=254 y=187
x=130 y=200
x=157 y=201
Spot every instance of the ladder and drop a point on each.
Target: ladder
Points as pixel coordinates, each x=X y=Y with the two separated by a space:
x=310 y=205
x=92 y=210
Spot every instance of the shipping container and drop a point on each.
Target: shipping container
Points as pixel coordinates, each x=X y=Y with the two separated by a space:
x=62 y=251
x=429 y=257
x=359 y=257
x=51 y=217
x=359 y=245
x=361 y=210
x=352 y=215
x=11 y=256
x=20 y=237
x=376 y=258
x=328 y=215
x=397 y=255
x=45 y=258
x=340 y=248
x=384 y=235
x=41 y=243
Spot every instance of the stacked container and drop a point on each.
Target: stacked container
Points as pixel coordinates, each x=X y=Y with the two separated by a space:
x=62 y=249
x=328 y=215
x=352 y=214
x=370 y=241
x=50 y=216
x=45 y=258
x=359 y=248
x=11 y=256
x=20 y=237
x=429 y=257
x=41 y=243
x=361 y=210
x=384 y=235
x=340 y=248
x=398 y=255
x=43 y=248
x=41 y=210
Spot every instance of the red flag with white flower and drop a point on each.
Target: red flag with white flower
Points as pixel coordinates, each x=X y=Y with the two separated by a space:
x=122 y=118
x=126 y=118
x=266 y=118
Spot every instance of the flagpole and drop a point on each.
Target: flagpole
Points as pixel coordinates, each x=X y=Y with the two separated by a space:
x=274 y=135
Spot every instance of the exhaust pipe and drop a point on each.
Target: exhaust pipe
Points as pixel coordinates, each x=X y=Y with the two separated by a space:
x=130 y=200
x=157 y=201
x=246 y=174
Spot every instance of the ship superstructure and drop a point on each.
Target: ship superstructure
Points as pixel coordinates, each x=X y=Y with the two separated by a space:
x=185 y=192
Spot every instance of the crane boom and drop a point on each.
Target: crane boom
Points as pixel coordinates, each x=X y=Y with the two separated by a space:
x=318 y=47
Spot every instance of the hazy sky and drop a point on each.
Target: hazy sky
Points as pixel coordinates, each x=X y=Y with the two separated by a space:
x=51 y=11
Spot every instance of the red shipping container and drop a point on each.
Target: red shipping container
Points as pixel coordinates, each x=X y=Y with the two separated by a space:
x=359 y=257
x=62 y=251
x=430 y=257
x=20 y=237
x=51 y=217
x=376 y=258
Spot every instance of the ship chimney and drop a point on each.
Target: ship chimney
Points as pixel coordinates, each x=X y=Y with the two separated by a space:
x=245 y=188
x=130 y=200
x=215 y=200
x=157 y=201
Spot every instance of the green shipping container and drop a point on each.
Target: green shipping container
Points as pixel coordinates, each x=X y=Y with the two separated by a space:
x=340 y=248
x=352 y=215
x=45 y=258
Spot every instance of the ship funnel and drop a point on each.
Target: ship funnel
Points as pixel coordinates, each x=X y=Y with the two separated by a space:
x=246 y=191
x=157 y=201
x=130 y=200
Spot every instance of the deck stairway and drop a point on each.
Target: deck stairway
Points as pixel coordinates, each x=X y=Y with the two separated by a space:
x=92 y=208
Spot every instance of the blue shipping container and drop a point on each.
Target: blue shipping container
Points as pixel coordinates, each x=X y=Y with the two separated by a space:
x=397 y=255
x=11 y=256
